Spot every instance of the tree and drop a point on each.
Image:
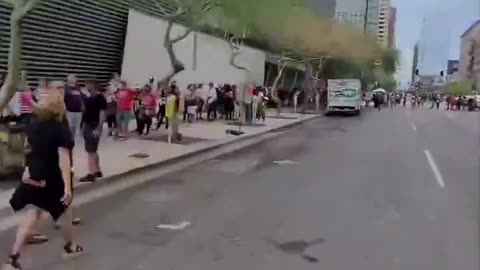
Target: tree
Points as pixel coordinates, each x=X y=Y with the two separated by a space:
x=461 y=88
x=389 y=60
x=192 y=14
x=21 y=8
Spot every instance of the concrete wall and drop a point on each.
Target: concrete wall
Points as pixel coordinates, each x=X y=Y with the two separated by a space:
x=145 y=56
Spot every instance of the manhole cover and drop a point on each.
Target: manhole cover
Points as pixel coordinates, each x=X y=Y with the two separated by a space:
x=139 y=155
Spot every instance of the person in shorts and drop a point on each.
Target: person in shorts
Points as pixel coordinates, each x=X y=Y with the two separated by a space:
x=125 y=99
x=93 y=119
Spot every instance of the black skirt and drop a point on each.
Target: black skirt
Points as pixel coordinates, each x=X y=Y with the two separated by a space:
x=47 y=198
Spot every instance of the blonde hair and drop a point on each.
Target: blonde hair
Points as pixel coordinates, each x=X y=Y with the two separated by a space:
x=52 y=105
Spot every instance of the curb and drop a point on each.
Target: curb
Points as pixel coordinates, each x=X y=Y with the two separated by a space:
x=82 y=188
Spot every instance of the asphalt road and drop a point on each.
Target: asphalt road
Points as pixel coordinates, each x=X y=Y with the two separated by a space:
x=390 y=190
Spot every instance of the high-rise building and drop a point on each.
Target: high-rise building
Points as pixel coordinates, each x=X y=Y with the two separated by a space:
x=351 y=12
x=469 y=64
x=324 y=8
x=371 y=19
x=392 y=20
x=383 y=23
x=377 y=20
x=415 y=61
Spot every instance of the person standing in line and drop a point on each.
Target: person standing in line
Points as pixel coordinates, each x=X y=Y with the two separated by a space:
x=161 y=106
x=229 y=103
x=148 y=104
x=171 y=112
x=73 y=104
x=48 y=184
x=190 y=104
x=211 y=102
x=191 y=111
x=200 y=101
x=220 y=103
x=111 y=114
x=111 y=111
x=93 y=119
x=27 y=100
x=125 y=98
x=189 y=100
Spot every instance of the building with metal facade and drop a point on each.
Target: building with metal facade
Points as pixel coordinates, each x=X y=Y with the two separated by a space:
x=82 y=37
x=351 y=12
x=392 y=21
x=324 y=8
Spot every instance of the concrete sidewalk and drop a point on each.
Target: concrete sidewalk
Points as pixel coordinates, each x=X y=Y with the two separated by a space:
x=116 y=156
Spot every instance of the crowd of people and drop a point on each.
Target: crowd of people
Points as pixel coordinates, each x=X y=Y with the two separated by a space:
x=392 y=100
x=54 y=113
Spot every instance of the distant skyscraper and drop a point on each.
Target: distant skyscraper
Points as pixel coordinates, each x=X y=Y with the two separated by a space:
x=378 y=21
x=324 y=8
x=434 y=45
x=351 y=12
x=415 y=61
x=373 y=13
x=392 y=20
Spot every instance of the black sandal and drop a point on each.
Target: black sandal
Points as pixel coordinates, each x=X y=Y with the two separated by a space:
x=13 y=263
x=72 y=250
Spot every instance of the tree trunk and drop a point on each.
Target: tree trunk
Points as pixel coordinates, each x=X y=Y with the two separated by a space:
x=176 y=64
x=294 y=82
x=14 y=63
x=269 y=73
x=307 y=85
x=276 y=98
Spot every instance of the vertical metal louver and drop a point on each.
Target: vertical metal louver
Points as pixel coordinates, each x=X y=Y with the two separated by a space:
x=82 y=37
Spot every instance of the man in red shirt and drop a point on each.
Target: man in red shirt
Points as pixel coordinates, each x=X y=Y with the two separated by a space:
x=125 y=97
x=147 y=110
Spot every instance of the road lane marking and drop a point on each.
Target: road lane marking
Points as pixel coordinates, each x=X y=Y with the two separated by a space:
x=175 y=227
x=284 y=162
x=435 y=169
x=414 y=127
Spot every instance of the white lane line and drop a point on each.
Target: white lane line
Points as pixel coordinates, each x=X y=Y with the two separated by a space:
x=435 y=169
x=414 y=127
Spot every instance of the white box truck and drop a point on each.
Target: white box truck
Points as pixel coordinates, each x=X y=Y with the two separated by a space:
x=344 y=95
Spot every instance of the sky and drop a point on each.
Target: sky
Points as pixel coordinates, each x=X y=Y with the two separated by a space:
x=451 y=17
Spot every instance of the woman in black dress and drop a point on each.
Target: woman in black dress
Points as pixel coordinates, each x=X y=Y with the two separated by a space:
x=48 y=184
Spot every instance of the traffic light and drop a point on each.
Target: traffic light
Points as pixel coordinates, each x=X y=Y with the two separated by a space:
x=416 y=72
x=441 y=73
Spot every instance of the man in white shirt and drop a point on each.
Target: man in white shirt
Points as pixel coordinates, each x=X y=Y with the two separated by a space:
x=211 y=102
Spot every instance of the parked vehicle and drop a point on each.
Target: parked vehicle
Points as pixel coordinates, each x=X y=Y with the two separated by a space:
x=344 y=96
